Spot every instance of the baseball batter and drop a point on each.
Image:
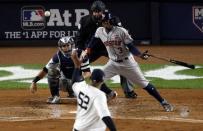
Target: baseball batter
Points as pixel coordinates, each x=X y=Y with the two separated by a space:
x=92 y=110
x=86 y=29
x=121 y=49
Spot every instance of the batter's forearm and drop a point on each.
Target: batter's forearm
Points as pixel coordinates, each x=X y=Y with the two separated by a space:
x=133 y=49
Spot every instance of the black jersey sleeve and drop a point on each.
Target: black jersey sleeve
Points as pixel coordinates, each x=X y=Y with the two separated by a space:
x=109 y=123
x=81 y=34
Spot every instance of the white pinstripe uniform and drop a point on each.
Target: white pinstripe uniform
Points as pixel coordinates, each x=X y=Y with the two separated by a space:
x=121 y=60
x=91 y=107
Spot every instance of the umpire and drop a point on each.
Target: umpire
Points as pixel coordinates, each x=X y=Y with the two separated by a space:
x=86 y=30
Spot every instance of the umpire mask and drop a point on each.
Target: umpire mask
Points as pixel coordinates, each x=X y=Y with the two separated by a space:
x=66 y=44
x=97 y=9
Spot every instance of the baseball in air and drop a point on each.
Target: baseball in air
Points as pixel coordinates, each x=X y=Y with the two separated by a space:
x=47 y=13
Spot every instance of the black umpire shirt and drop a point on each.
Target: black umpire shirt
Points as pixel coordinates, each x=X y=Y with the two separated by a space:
x=88 y=26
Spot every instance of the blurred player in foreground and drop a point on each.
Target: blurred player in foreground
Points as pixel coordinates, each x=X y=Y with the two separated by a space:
x=121 y=50
x=92 y=110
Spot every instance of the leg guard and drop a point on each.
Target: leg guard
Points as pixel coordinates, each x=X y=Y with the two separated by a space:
x=66 y=86
x=54 y=86
x=53 y=81
x=152 y=91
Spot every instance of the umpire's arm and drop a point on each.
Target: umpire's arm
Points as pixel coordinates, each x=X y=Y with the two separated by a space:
x=91 y=44
x=76 y=74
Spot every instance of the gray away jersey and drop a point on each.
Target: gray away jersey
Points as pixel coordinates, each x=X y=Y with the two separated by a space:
x=115 y=42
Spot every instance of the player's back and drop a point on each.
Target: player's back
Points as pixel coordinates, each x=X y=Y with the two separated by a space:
x=87 y=112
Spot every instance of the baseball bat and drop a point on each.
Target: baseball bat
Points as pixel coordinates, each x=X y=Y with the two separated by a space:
x=181 y=63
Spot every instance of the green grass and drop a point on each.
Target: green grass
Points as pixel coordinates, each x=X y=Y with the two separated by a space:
x=196 y=72
x=18 y=85
x=5 y=73
x=159 y=83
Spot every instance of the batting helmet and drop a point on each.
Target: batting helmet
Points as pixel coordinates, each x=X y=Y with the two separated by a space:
x=98 y=6
x=107 y=16
x=67 y=40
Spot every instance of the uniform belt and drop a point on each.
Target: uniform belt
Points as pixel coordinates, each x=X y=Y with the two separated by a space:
x=126 y=58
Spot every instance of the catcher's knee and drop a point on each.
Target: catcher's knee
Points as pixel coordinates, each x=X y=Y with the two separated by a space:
x=53 y=73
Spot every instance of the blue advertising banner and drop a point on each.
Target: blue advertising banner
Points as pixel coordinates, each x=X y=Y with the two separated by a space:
x=181 y=21
x=23 y=21
x=26 y=21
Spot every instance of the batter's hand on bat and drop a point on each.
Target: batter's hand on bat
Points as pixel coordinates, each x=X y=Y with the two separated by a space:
x=33 y=87
x=144 y=55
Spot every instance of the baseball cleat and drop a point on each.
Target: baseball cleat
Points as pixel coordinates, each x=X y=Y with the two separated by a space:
x=167 y=107
x=131 y=95
x=53 y=100
x=112 y=95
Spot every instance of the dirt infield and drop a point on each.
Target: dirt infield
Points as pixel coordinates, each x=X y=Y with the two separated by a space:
x=22 y=111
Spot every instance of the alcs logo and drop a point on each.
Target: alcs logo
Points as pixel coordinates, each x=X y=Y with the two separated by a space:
x=197 y=13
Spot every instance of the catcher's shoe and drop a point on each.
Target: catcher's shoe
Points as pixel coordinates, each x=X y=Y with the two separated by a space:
x=53 y=100
x=167 y=107
x=112 y=95
x=131 y=95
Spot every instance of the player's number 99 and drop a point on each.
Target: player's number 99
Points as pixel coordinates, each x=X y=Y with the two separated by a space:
x=84 y=100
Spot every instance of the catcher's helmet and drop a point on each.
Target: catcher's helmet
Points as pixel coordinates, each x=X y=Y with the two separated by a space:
x=67 y=40
x=98 y=6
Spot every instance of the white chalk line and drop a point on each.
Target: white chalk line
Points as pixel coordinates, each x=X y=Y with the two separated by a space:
x=156 y=118
x=173 y=118
x=163 y=118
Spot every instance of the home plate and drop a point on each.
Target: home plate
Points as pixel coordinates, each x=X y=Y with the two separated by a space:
x=68 y=100
x=72 y=112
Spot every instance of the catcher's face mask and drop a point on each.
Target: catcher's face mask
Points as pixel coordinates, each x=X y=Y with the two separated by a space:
x=66 y=44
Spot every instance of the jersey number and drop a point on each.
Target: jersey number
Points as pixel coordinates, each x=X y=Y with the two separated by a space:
x=120 y=50
x=84 y=100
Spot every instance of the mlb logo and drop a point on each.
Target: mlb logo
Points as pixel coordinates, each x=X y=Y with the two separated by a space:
x=197 y=15
x=32 y=18
x=33 y=15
